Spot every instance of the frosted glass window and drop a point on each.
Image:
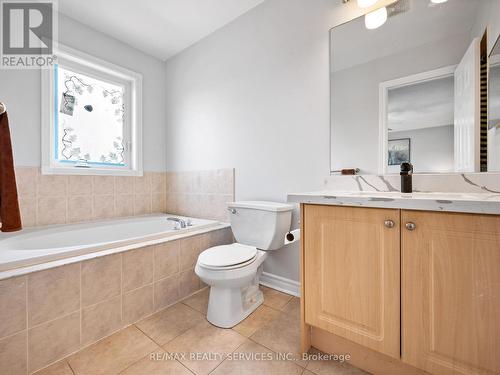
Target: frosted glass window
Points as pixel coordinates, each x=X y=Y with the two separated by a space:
x=89 y=119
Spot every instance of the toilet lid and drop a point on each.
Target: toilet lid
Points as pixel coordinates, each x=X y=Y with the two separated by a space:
x=227 y=255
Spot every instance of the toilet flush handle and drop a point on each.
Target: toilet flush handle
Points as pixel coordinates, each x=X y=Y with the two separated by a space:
x=232 y=210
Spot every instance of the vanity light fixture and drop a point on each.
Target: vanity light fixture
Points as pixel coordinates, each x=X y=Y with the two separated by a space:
x=376 y=18
x=366 y=3
x=438 y=1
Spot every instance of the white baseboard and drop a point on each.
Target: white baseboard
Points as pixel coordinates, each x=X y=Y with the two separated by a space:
x=280 y=283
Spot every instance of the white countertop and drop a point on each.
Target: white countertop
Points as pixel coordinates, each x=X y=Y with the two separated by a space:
x=481 y=203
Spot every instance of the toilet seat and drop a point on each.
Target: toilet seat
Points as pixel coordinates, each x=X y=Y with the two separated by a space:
x=227 y=257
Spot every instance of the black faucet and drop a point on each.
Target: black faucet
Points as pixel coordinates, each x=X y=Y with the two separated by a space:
x=406 y=173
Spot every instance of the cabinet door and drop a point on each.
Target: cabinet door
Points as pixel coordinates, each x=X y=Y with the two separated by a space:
x=451 y=292
x=352 y=274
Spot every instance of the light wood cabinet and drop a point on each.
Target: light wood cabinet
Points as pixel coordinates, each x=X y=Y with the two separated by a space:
x=422 y=297
x=352 y=279
x=451 y=293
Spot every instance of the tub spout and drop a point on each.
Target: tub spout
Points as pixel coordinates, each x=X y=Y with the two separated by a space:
x=181 y=222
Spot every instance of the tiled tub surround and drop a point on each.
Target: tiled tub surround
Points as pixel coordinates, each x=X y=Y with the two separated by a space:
x=200 y=193
x=57 y=199
x=47 y=315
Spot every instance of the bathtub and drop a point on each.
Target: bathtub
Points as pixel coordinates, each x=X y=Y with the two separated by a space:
x=48 y=245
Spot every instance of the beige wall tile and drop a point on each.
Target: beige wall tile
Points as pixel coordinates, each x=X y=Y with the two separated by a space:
x=124 y=205
x=101 y=320
x=189 y=283
x=124 y=185
x=158 y=182
x=53 y=293
x=166 y=292
x=137 y=268
x=190 y=249
x=51 y=210
x=12 y=306
x=103 y=185
x=220 y=237
x=142 y=184
x=137 y=304
x=52 y=185
x=101 y=279
x=26 y=181
x=28 y=211
x=158 y=202
x=225 y=181
x=142 y=204
x=112 y=354
x=172 y=203
x=104 y=206
x=13 y=355
x=53 y=340
x=80 y=185
x=79 y=208
x=171 y=181
x=166 y=259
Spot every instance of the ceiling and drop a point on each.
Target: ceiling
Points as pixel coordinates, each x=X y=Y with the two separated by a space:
x=160 y=28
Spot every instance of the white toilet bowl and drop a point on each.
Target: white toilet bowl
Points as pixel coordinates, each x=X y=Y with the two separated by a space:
x=233 y=271
x=234 y=288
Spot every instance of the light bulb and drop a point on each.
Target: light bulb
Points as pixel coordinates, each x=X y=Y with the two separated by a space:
x=376 y=18
x=366 y=3
x=438 y=1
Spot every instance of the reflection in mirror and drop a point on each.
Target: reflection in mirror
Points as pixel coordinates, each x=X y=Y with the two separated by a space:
x=422 y=112
x=416 y=77
x=494 y=110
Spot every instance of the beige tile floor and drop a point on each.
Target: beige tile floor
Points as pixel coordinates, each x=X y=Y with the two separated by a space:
x=141 y=349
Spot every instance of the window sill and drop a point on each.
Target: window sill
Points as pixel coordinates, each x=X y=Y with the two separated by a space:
x=90 y=171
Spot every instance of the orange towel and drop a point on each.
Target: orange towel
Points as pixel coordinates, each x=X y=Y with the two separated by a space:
x=10 y=215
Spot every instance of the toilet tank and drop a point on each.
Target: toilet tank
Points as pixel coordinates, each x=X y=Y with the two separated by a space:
x=260 y=224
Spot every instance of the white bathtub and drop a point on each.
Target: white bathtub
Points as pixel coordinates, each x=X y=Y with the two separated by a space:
x=34 y=246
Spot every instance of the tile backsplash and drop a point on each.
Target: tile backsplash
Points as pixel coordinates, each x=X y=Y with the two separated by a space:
x=201 y=193
x=58 y=199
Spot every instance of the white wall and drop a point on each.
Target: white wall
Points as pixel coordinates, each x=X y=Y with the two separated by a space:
x=20 y=90
x=255 y=96
x=431 y=149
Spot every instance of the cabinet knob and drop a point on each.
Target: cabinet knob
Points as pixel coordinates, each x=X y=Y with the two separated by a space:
x=410 y=226
x=389 y=223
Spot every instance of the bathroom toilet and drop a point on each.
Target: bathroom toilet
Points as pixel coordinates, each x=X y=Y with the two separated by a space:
x=233 y=271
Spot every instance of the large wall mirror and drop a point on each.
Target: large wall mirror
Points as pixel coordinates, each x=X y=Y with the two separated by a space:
x=416 y=88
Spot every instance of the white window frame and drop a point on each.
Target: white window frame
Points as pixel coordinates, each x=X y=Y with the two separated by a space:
x=93 y=66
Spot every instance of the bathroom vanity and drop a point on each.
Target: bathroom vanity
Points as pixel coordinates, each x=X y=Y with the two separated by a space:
x=402 y=289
